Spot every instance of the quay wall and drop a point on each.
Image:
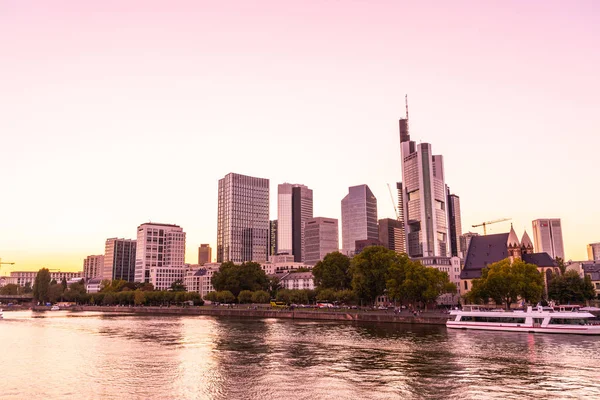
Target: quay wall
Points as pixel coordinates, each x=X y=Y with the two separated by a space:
x=241 y=312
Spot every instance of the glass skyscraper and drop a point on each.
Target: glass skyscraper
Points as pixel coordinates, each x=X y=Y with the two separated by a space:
x=359 y=217
x=243 y=219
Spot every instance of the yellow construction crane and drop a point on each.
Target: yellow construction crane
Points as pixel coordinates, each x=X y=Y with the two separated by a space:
x=484 y=224
x=8 y=263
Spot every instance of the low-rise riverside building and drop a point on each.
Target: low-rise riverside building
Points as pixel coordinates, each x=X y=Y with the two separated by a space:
x=22 y=278
x=297 y=281
x=199 y=278
x=93 y=285
x=283 y=267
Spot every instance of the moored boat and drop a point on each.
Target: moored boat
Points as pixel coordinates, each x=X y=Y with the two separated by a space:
x=537 y=320
x=55 y=308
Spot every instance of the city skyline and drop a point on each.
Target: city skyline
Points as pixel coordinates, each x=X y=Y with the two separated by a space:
x=113 y=82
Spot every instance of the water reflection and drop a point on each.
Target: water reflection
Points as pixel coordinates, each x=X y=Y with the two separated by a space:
x=105 y=356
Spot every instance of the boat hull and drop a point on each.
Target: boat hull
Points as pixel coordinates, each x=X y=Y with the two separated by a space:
x=578 y=330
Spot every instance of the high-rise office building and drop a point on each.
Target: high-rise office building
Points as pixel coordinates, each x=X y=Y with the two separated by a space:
x=400 y=212
x=272 y=238
x=322 y=238
x=294 y=208
x=160 y=254
x=243 y=219
x=359 y=217
x=464 y=242
x=547 y=237
x=391 y=235
x=204 y=254
x=93 y=267
x=424 y=199
x=455 y=223
x=119 y=259
x=593 y=250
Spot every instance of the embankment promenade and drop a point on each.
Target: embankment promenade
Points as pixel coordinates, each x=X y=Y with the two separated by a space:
x=241 y=311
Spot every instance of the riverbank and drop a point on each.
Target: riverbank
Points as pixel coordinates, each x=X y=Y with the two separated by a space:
x=301 y=314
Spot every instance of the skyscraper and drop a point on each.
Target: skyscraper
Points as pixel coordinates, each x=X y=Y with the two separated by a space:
x=423 y=197
x=93 y=267
x=593 y=250
x=359 y=217
x=119 y=259
x=243 y=219
x=455 y=223
x=391 y=235
x=272 y=238
x=204 y=254
x=322 y=238
x=294 y=208
x=160 y=253
x=547 y=236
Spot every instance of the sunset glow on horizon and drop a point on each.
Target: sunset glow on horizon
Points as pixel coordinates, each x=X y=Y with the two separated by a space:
x=117 y=113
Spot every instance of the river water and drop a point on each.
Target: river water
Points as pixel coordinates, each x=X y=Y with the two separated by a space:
x=58 y=355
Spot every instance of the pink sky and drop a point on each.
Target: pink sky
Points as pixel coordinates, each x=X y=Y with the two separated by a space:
x=114 y=113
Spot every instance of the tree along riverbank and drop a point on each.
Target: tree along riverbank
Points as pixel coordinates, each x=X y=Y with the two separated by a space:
x=241 y=311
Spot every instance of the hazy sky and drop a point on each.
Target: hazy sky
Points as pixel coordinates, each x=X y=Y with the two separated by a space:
x=114 y=113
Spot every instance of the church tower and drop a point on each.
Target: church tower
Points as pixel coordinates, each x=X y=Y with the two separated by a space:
x=526 y=244
x=513 y=245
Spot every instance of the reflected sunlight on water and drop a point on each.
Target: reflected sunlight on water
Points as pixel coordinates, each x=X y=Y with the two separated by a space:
x=103 y=356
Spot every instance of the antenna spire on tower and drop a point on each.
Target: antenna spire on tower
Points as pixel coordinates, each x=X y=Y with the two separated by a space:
x=406 y=102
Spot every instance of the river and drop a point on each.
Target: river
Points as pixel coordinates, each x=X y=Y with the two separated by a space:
x=87 y=355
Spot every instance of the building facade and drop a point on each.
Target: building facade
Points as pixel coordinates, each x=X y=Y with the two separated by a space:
x=119 y=259
x=321 y=237
x=23 y=278
x=452 y=267
x=93 y=267
x=297 y=281
x=391 y=235
x=199 y=278
x=243 y=219
x=424 y=198
x=359 y=217
x=593 y=250
x=294 y=208
x=547 y=237
x=272 y=238
x=455 y=225
x=204 y=254
x=160 y=254
x=464 y=242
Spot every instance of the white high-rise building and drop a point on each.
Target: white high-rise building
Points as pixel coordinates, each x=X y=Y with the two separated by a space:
x=93 y=267
x=322 y=238
x=243 y=219
x=547 y=237
x=593 y=250
x=294 y=208
x=359 y=218
x=424 y=200
x=160 y=253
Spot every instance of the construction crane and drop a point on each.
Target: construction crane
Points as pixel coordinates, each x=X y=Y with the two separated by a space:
x=394 y=204
x=8 y=263
x=485 y=224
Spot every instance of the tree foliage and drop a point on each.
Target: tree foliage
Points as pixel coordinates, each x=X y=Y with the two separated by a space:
x=333 y=272
x=570 y=287
x=10 y=289
x=505 y=283
x=235 y=278
x=410 y=282
x=261 y=297
x=245 y=297
x=369 y=271
x=41 y=285
x=178 y=286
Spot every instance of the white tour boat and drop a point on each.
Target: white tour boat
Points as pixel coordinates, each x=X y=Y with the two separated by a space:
x=55 y=308
x=538 y=320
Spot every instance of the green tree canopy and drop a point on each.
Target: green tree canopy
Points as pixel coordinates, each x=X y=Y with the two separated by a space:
x=10 y=289
x=570 y=287
x=235 y=278
x=505 y=283
x=245 y=297
x=369 y=271
x=41 y=285
x=261 y=297
x=333 y=272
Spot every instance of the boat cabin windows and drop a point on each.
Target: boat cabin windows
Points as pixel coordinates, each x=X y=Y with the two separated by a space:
x=567 y=321
x=498 y=320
